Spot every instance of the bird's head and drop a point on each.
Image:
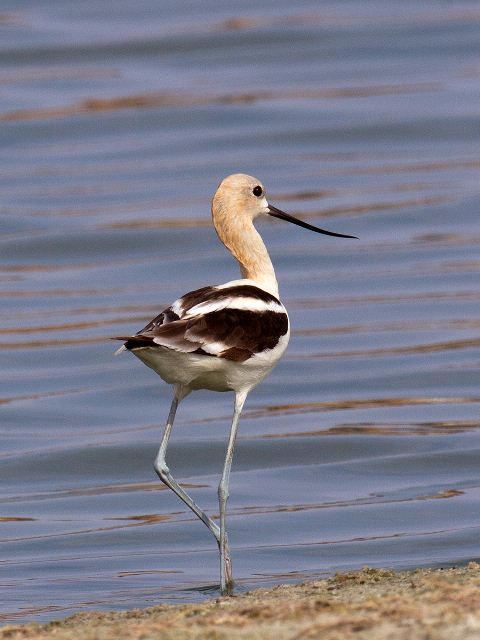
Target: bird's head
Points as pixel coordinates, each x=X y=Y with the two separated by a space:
x=240 y=198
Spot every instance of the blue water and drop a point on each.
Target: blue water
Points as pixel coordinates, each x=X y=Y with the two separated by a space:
x=117 y=122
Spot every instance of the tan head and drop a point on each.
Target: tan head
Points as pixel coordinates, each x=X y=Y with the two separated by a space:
x=238 y=200
x=239 y=196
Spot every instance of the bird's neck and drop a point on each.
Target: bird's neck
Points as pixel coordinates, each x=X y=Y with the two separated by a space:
x=255 y=263
x=246 y=245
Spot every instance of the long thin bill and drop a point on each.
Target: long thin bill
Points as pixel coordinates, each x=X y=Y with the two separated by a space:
x=276 y=213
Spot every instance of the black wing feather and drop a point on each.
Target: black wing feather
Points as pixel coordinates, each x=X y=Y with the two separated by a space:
x=239 y=332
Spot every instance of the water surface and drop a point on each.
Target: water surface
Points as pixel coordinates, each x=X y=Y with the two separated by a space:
x=117 y=121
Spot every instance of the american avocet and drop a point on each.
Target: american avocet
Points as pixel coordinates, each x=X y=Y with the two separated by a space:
x=225 y=337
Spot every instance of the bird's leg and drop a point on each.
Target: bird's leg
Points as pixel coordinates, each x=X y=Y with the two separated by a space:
x=163 y=471
x=226 y=576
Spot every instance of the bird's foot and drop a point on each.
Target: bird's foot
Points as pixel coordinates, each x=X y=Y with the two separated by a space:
x=226 y=575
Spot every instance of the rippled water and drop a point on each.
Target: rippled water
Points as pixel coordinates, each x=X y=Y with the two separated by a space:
x=117 y=121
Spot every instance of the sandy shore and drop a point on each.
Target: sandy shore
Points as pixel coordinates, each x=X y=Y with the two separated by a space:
x=426 y=604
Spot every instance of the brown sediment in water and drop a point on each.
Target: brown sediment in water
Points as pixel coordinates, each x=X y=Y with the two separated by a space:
x=372 y=604
x=169 y=99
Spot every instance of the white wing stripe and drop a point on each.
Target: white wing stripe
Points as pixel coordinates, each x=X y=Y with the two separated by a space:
x=177 y=307
x=214 y=347
x=234 y=302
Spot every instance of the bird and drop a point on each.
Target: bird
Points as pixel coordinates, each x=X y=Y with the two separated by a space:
x=224 y=337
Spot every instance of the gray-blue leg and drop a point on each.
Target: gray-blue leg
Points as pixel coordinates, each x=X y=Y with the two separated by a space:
x=163 y=471
x=226 y=576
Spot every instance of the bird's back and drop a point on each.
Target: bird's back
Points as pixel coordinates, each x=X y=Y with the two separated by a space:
x=212 y=328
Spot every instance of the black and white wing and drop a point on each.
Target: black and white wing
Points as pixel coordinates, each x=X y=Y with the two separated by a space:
x=234 y=322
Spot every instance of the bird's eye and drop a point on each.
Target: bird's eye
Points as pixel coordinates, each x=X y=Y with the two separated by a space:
x=258 y=191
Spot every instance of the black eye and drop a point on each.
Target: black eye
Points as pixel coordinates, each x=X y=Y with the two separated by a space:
x=258 y=191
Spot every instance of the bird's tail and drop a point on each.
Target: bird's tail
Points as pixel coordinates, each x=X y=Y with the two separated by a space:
x=123 y=347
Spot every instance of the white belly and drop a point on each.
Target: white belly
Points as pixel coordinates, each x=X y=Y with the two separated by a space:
x=197 y=371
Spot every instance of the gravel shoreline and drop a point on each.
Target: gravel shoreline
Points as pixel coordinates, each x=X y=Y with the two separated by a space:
x=372 y=604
